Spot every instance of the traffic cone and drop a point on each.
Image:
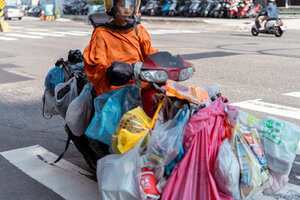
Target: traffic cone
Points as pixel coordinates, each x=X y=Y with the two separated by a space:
x=43 y=15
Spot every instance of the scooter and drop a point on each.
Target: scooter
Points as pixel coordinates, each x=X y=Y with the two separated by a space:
x=221 y=9
x=184 y=8
x=173 y=8
x=254 y=10
x=156 y=70
x=152 y=7
x=166 y=8
x=193 y=9
x=209 y=7
x=272 y=26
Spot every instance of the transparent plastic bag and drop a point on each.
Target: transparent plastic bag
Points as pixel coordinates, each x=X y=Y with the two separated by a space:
x=49 y=104
x=279 y=181
x=109 y=108
x=119 y=175
x=254 y=174
x=80 y=110
x=227 y=170
x=64 y=95
x=166 y=139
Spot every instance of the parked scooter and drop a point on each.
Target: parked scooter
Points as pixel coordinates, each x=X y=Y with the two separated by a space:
x=165 y=9
x=209 y=7
x=246 y=8
x=254 y=10
x=193 y=9
x=272 y=26
x=153 y=7
x=184 y=8
x=173 y=8
x=221 y=9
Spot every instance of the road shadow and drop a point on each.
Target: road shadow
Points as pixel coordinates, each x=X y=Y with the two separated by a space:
x=212 y=54
x=9 y=77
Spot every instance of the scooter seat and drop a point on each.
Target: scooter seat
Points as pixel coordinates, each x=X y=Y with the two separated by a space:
x=272 y=19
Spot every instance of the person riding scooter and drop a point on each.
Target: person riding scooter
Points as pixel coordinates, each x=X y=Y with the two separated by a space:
x=271 y=13
x=115 y=46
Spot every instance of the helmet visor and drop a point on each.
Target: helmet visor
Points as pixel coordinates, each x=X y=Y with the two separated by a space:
x=128 y=4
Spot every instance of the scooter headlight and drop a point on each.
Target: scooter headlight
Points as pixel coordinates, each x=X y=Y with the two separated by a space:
x=155 y=76
x=186 y=74
x=227 y=5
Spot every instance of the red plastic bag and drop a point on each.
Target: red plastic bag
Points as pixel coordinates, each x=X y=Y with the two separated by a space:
x=193 y=177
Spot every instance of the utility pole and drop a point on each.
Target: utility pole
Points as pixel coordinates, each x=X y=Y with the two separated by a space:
x=286 y=3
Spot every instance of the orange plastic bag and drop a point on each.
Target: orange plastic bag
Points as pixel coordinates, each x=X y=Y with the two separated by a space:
x=195 y=95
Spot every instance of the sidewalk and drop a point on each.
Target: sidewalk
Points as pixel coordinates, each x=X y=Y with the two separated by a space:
x=290 y=21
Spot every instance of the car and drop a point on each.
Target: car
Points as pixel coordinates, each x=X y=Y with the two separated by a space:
x=34 y=11
x=13 y=12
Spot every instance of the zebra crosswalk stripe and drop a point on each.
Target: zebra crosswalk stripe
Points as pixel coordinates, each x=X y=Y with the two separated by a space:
x=82 y=32
x=19 y=35
x=162 y=31
x=69 y=33
x=46 y=34
x=293 y=94
x=7 y=38
x=270 y=108
x=64 y=178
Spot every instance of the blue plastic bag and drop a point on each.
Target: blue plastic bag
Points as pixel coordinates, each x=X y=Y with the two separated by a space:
x=109 y=108
x=54 y=77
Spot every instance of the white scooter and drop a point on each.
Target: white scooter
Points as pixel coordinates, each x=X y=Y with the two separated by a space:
x=272 y=26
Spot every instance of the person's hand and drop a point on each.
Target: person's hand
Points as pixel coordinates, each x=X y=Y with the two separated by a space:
x=120 y=73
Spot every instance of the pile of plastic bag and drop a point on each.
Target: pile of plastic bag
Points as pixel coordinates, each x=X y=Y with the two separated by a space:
x=196 y=146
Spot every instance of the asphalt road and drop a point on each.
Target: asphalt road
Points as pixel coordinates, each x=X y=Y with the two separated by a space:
x=244 y=67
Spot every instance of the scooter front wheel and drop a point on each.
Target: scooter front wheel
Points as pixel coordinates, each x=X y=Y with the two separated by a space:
x=254 y=32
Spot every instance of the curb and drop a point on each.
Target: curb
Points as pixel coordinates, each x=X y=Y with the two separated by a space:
x=292 y=20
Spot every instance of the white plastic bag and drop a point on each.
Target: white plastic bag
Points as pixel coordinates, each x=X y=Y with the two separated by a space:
x=280 y=141
x=80 y=110
x=119 y=175
x=227 y=170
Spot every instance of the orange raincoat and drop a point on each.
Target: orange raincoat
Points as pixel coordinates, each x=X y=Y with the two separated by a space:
x=108 y=45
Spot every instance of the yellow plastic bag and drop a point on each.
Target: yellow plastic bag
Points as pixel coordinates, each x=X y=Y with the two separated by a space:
x=131 y=129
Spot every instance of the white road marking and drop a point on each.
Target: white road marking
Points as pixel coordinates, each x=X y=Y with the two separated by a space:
x=64 y=178
x=275 y=109
x=288 y=192
x=162 y=31
x=19 y=35
x=69 y=33
x=8 y=38
x=82 y=32
x=46 y=34
x=293 y=94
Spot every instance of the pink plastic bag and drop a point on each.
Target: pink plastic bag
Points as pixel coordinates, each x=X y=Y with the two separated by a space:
x=193 y=177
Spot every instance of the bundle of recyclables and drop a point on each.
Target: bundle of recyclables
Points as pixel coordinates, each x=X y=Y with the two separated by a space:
x=193 y=145
x=200 y=149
